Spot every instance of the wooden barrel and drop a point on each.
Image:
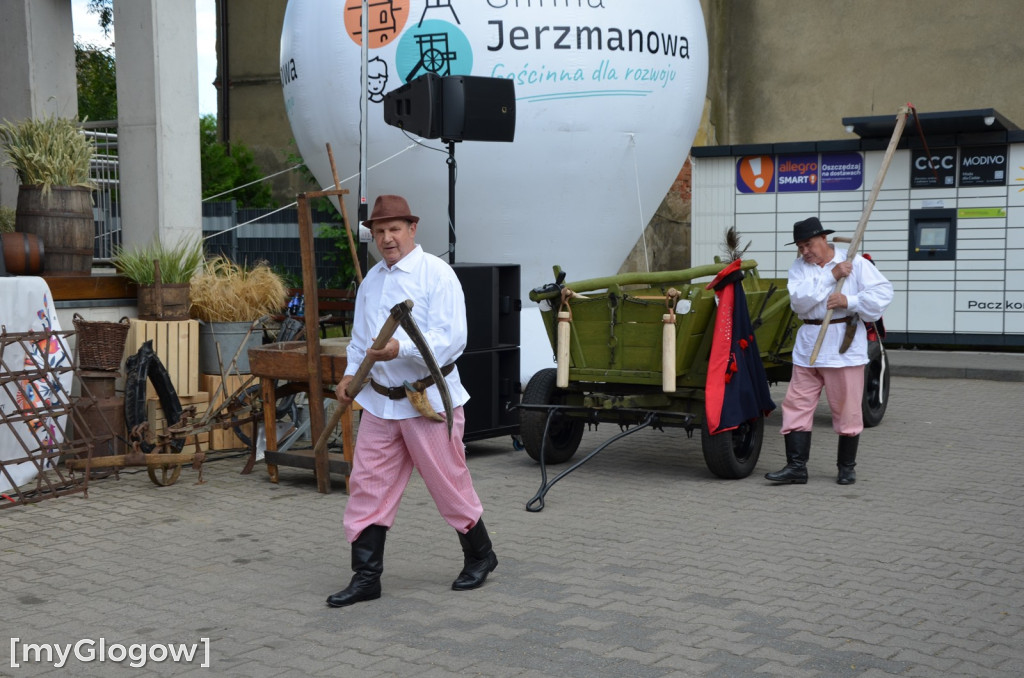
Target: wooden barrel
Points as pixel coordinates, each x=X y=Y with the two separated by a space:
x=63 y=220
x=23 y=253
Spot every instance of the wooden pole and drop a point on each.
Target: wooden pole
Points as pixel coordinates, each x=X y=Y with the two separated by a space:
x=901 y=121
x=315 y=396
x=344 y=218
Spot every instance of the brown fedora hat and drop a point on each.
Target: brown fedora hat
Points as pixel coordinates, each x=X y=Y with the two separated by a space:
x=390 y=207
x=807 y=229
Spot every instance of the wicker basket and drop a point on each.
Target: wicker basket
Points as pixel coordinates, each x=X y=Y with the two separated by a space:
x=100 y=344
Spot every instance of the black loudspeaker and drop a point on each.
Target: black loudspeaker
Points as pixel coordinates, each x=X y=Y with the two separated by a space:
x=492 y=379
x=489 y=367
x=478 y=109
x=492 y=304
x=454 y=108
x=416 y=106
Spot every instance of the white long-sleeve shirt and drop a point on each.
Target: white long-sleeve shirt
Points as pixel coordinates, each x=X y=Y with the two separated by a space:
x=868 y=293
x=439 y=309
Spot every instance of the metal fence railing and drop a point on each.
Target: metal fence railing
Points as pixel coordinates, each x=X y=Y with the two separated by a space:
x=104 y=172
x=242 y=234
x=250 y=235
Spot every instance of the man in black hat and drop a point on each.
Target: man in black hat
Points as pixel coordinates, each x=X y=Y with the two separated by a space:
x=394 y=438
x=837 y=369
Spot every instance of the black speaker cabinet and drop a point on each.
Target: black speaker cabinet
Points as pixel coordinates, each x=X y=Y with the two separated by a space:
x=416 y=106
x=492 y=304
x=492 y=379
x=455 y=108
x=489 y=367
x=478 y=109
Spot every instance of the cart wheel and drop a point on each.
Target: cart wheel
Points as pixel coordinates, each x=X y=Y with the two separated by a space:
x=165 y=474
x=876 y=385
x=733 y=454
x=564 y=434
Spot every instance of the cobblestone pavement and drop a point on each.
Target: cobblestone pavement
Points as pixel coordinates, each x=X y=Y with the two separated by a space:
x=642 y=564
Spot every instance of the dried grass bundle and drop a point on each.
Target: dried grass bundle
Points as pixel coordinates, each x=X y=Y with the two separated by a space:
x=230 y=292
x=47 y=152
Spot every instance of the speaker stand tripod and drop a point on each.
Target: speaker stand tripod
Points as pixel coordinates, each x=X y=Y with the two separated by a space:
x=452 y=167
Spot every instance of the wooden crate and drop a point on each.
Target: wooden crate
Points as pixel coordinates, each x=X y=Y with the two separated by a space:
x=176 y=343
x=225 y=438
x=158 y=421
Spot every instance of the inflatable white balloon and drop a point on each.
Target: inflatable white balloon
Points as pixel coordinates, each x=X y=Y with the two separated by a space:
x=609 y=94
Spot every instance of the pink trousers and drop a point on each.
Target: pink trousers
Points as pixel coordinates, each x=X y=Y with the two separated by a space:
x=385 y=454
x=844 y=390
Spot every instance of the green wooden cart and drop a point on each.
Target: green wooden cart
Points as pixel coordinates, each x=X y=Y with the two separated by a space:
x=616 y=362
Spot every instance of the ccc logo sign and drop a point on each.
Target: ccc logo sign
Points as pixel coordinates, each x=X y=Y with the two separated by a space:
x=938 y=162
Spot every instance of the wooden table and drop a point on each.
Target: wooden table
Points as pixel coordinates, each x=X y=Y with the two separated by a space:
x=287 y=363
x=304 y=366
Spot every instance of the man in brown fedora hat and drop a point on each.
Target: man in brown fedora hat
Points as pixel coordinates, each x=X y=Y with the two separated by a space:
x=394 y=438
x=839 y=371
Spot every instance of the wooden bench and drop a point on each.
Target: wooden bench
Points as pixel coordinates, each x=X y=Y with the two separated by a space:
x=336 y=307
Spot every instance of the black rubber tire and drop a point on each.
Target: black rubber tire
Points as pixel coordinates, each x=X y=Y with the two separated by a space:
x=564 y=435
x=285 y=406
x=732 y=455
x=142 y=369
x=876 y=385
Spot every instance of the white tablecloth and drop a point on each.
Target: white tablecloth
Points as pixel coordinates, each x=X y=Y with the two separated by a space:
x=27 y=305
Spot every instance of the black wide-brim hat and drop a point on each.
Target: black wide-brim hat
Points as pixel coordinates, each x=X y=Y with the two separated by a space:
x=807 y=229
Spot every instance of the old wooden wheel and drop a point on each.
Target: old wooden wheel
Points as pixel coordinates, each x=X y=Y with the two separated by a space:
x=163 y=474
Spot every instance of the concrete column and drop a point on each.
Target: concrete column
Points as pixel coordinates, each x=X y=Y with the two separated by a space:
x=37 y=69
x=158 y=120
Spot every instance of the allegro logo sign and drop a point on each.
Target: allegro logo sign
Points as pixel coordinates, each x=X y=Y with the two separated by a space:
x=798 y=173
x=794 y=173
x=755 y=174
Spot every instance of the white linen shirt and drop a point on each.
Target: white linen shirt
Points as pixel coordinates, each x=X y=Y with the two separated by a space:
x=868 y=293
x=439 y=309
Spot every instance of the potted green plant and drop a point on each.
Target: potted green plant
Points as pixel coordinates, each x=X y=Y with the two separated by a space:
x=228 y=298
x=162 y=273
x=52 y=158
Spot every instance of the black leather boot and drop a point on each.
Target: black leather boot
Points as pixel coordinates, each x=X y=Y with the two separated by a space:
x=480 y=559
x=798 y=449
x=846 y=459
x=368 y=564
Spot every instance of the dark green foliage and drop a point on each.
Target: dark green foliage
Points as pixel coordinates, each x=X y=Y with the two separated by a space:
x=225 y=168
x=291 y=279
x=340 y=257
x=97 y=82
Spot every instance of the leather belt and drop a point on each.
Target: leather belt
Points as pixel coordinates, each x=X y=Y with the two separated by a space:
x=834 y=321
x=398 y=392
